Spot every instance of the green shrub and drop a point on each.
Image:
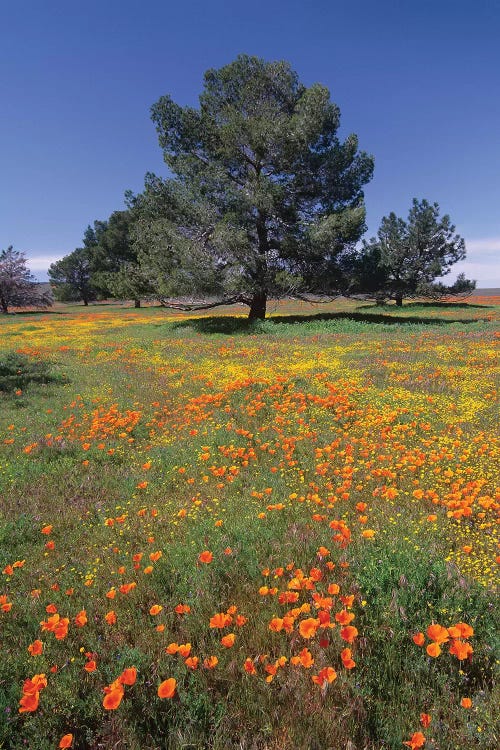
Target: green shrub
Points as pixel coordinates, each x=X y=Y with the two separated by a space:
x=18 y=371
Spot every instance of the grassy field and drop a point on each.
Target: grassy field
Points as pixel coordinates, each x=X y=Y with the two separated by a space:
x=216 y=535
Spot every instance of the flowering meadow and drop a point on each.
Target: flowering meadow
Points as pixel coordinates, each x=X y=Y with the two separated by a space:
x=269 y=536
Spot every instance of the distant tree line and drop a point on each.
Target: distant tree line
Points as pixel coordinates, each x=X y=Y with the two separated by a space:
x=263 y=200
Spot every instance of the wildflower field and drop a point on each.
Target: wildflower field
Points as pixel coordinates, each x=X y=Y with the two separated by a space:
x=216 y=535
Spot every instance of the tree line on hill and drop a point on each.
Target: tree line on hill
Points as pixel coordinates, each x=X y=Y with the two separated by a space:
x=263 y=200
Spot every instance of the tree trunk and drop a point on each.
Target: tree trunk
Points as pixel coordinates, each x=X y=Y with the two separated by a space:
x=86 y=302
x=258 y=306
x=399 y=300
x=137 y=303
x=3 y=307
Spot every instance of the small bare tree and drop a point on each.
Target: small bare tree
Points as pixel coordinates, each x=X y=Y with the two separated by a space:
x=18 y=287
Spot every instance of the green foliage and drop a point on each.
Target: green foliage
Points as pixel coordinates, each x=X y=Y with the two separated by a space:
x=18 y=371
x=409 y=256
x=265 y=198
x=71 y=277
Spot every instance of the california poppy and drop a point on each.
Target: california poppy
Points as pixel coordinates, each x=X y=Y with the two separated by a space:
x=29 y=702
x=349 y=633
x=210 y=662
x=417 y=740
x=220 y=620
x=35 y=648
x=249 y=666
x=166 y=689
x=437 y=633
x=308 y=627
x=205 y=557
x=128 y=676
x=113 y=697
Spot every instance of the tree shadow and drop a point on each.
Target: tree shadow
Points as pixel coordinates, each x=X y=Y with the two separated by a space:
x=441 y=305
x=32 y=313
x=230 y=325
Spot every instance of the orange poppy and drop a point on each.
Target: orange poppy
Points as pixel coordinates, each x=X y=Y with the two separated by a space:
x=347 y=660
x=34 y=684
x=35 y=648
x=419 y=639
x=433 y=650
x=437 y=633
x=249 y=666
x=466 y=703
x=66 y=741
x=166 y=689
x=81 y=619
x=155 y=609
x=113 y=697
x=220 y=620
x=276 y=624
x=347 y=601
x=465 y=630
x=368 y=533
x=417 y=740
x=90 y=666
x=205 y=557
x=126 y=588
x=425 y=720
x=228 y=640
x=344 y=617
x=308 y=627
x=29 y=702
x=305 y=658
x=128 y=676
x=349 y=633
x=461 y=649
x=5 y=606
x=210 y=662
x=326 y=675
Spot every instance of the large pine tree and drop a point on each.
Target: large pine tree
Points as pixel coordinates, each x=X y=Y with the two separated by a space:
x=265 y=198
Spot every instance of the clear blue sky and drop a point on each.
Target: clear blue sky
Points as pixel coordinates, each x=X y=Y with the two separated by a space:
x=419 y=82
